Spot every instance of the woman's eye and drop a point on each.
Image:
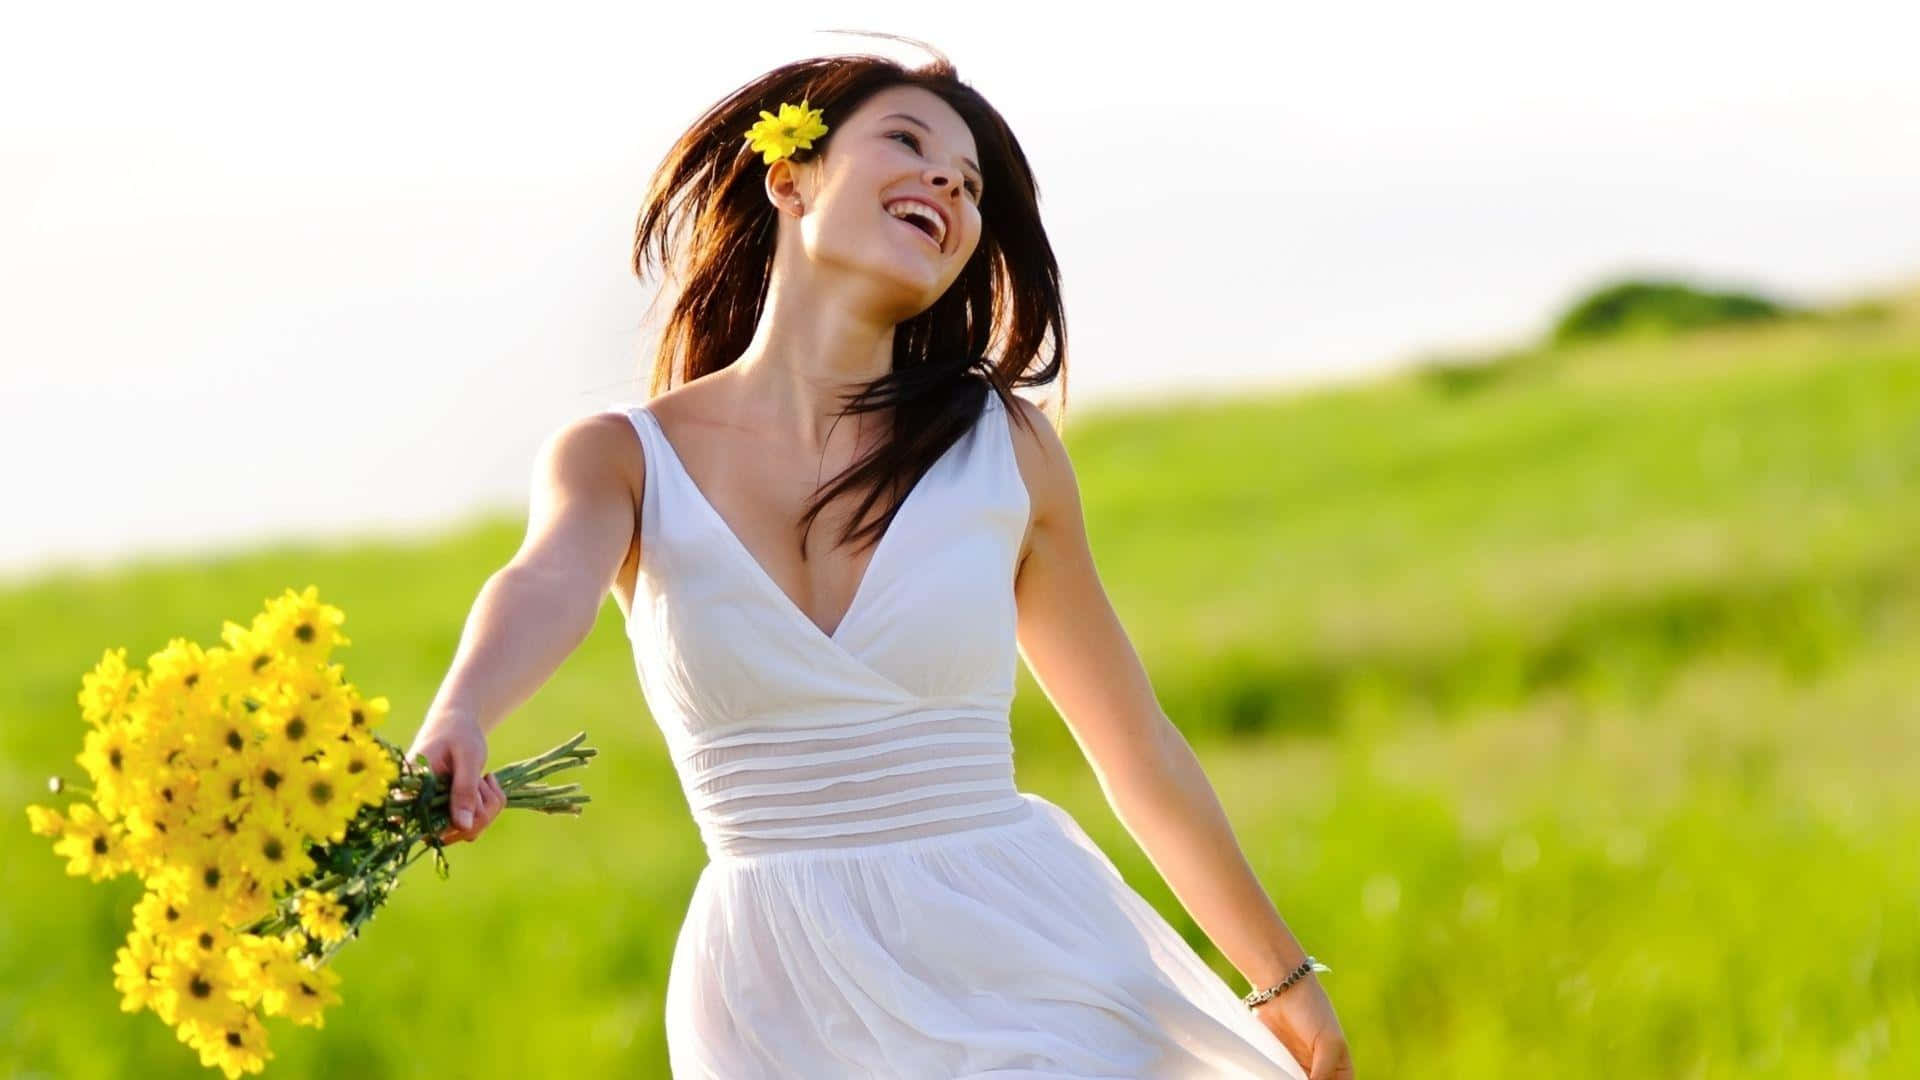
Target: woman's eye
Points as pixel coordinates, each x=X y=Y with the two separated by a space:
x=971 y=187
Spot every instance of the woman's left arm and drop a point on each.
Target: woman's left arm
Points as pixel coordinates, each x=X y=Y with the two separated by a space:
x=1073 y=642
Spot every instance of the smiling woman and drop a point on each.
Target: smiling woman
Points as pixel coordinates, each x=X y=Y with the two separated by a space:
x=880 y=899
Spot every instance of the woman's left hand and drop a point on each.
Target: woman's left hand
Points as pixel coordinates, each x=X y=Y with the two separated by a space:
x=1302 y=1017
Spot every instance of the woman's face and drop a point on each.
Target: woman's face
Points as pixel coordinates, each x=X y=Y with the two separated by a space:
x=902 y=143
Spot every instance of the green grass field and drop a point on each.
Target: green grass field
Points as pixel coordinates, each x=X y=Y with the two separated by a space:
x=1566 y=708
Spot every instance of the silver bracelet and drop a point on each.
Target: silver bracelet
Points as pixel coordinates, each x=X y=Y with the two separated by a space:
x=1256 y=998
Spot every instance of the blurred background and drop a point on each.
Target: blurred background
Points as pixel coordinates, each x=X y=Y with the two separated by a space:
x=1499 y=427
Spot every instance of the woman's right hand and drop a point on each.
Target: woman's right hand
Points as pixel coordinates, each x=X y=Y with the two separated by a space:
x=456 y=751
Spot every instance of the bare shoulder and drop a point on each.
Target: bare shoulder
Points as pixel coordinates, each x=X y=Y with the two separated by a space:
x=1042 y=455
x=588 y=478
x=598 y=451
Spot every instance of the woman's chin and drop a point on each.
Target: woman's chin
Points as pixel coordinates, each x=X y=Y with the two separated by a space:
x=920 y=278
x=917 y=277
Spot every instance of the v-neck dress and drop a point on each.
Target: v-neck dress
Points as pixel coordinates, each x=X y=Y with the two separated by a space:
x=880 y=900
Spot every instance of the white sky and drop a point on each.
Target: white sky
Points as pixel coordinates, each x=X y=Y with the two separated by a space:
x=275 y=269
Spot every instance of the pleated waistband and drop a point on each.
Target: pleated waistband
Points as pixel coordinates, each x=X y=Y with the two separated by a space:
x=920 y=774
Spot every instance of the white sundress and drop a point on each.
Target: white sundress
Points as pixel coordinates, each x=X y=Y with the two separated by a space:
x=880 y=900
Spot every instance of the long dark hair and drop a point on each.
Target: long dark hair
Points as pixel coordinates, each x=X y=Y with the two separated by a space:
x=987 y=333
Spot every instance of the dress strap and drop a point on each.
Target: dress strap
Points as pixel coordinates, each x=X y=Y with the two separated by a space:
x=656 y=477
x=1003 y=462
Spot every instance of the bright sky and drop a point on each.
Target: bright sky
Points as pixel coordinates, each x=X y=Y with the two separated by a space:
x=277 y=269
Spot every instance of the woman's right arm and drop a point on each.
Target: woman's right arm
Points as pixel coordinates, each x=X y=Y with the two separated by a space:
x=535 y=610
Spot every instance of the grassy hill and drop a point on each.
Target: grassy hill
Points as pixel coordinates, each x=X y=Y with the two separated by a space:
x=1565 y=705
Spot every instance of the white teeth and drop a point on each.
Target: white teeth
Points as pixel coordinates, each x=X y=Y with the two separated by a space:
x=902 y=208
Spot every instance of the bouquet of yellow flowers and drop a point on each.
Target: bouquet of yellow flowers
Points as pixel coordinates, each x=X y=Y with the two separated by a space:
x=245 y=786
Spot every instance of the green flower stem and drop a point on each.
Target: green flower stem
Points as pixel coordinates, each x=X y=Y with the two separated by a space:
x=361 y=916
x=516 y=780
x=564 y=756
x=407 y=826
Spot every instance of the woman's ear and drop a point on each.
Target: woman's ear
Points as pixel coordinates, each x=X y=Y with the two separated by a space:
x=783 y=187
x=779 y=184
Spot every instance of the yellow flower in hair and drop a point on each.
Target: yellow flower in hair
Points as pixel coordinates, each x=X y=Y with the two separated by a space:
x=778 y=136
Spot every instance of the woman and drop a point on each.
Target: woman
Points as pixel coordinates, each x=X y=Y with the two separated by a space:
x=880 y=899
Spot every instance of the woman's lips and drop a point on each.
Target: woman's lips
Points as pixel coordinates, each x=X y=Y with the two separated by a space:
x=917 y=231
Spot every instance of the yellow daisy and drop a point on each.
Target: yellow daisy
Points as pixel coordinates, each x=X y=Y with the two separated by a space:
x=250 y=654
x=133 y=971
x=322 y=916
x=302 y=627
x=46 y=821
x=237 y=1046
x=109 y=687
x=164 y=800
x=184 y=673
x=195 y=988
x=146 y=836
x=230 y=1038
x=304 y=996
x=260 y=964
x=776 y=137
x=274 y=775
x=228 y=785
x=92 y=844
x=108 y=756
x=249 y=902
x=157 y=916
x=232 y=732
x=210 y=942
x=272 y=851
x=297 y=726
x=210 y=873
x=364 y=713
x=318 y=802
x=366 y=769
